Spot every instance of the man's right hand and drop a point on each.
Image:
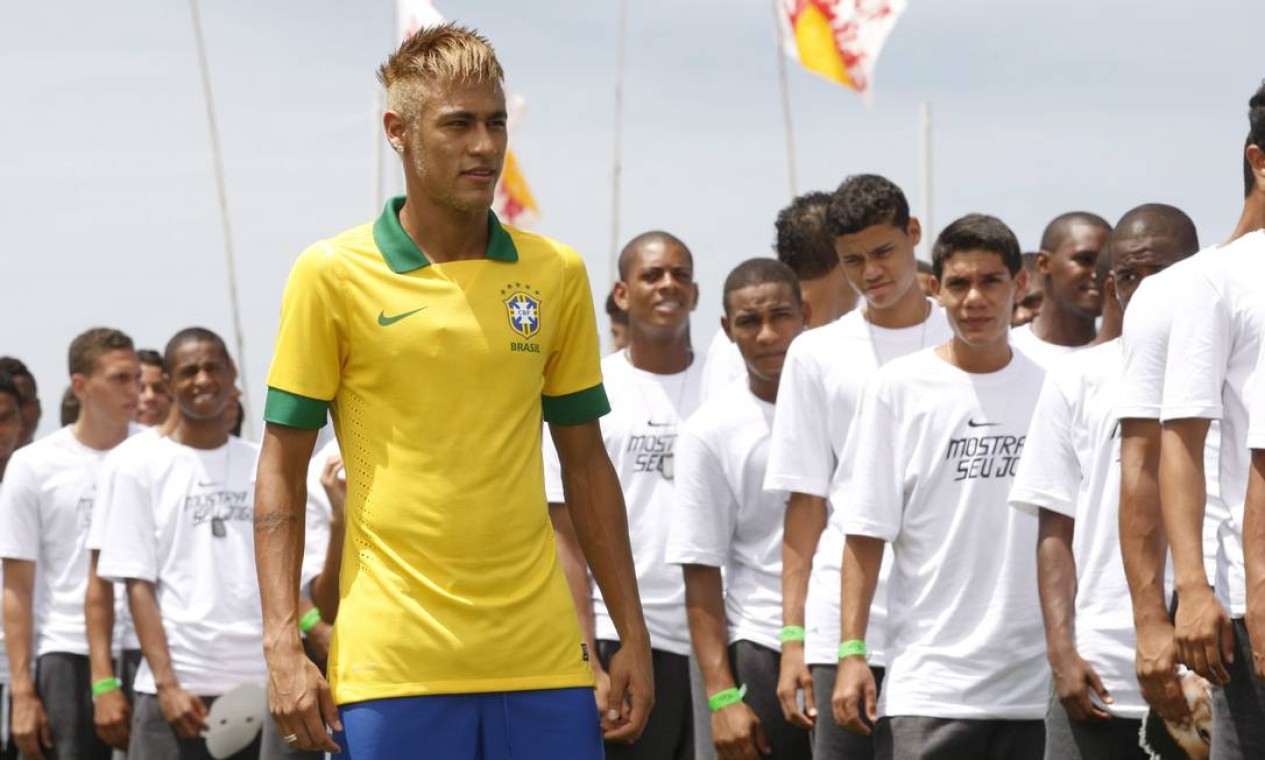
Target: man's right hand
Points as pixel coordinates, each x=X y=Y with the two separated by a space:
x=112 y=718
x=1205 y=636
x=854 y=700
x=1156 y=665
x=300 y=700
x=737 y=733
x=1074 y=678
x=795 y=679
x=31 y=731
x=184 y=711
x=631 y=695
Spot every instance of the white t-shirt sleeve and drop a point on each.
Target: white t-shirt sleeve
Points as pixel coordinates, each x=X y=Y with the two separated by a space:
x=129 y=545
x=316 y=523
x=701 y=527
x=800 y=455
x=1049 y=472
x=1147 y=325
x=1198 y=353
x=1256 y=405
x=553 y=470
x=875 y=498
x=20 y=512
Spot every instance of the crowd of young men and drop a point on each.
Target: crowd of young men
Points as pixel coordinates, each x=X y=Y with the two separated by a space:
x=1012 y=506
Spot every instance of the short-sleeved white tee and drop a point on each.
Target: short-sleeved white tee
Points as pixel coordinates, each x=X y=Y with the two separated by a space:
x=45 y=511
x=182 y=518
x=825 y=372
x=1071 y=466
x=935 y=455
x=640 y=434
x=724 y=518
x=318 y=516
x=1042 y=352
x=724 y=365
x=1212 y=354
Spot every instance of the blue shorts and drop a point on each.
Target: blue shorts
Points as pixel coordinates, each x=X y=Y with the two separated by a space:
x=523 y=725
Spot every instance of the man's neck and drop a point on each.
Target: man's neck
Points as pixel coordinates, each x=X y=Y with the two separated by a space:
x=665 y=355
x=443 y=233
x=1112 y=326
x=1061 y=326
x=765 y=390
x=1252 y=218
x=199 y=434
x=95 y=431
x=978 y=360
x=911 y=309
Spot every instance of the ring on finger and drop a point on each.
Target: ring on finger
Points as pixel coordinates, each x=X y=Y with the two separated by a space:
x=290 y=738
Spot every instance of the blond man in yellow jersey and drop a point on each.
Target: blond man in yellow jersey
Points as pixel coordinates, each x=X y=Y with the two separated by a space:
x=438 y=339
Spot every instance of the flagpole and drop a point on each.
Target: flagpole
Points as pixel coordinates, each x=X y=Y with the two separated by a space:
x=617 y=148
x=784 y=86
x=221 y=187
x=928 y=228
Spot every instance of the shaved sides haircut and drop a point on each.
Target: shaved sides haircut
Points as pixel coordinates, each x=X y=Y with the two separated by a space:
x=760 y=272
x=198 y=335
x=1255 y=135
x=1158 y=219
x=629 y=254
x=439 y=55
x=1056 y=231
x=805 y=240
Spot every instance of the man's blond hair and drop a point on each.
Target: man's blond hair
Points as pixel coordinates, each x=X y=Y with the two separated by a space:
x=438 y=55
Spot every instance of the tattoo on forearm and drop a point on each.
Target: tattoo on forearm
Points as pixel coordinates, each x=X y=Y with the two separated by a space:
x=271 y=522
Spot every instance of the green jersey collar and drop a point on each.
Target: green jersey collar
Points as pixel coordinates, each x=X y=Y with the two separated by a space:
x=403 y=255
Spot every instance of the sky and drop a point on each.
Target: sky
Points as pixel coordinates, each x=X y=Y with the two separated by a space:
x=108 y=199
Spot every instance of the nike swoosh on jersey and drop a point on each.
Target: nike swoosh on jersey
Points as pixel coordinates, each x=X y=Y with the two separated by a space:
x=385 y=321
x=973 y=423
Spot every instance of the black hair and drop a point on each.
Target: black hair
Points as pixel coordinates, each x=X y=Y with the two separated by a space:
x=633 y=247
x=1155 y=739
x=15 y=369
x=977 y=232
x=616 y=314
x=193 y=334
x=236 y=432
x=69 y=407
x=864 y=200
x=924 y=267
x=759 y=272
x=1255 y=135
x=805 y=239
x=150 y=357
x=8 y=386
x=1060 y=227
x=1158 y=219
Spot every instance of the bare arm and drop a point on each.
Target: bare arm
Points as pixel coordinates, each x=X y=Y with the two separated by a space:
x=804 y=523
x=325 y=586
x=1254 y=558
x=596 y=505
x=31 y=732
x=110 y=710
x=184 y=711
x=1205 y=638
x=298 y=695
x=1056 y=584
x=854 y=700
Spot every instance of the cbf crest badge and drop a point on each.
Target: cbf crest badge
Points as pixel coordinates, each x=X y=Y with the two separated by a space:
x=523 y=310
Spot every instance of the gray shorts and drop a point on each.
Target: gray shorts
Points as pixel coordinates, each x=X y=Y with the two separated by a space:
x=669 y=733
x=908 y=737
x=1067 y=739
x=757 y=667
x=1238 y=708
x=64 y=683
x=829 y=738
x=153 y=738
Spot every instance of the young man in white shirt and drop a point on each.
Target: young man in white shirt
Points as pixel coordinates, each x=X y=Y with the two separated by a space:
x=10 y=427
x=653 y=386
x=1212 y=355
x=825 y=372
x=45 y=509
x=180 y=533
x=724 y=519
x=1070 y=476
x=155 y=401
x=927 y=469
x=30 y=409
x=1072 y=299
x=805 y=243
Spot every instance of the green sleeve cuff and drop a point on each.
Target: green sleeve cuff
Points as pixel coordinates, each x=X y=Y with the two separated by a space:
x=293 y=410
x=576 y=408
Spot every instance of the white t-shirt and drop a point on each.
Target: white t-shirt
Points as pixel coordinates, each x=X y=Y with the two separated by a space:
x=1147 y=326
x=1043 y=353
x=1212 y=355
x=1071 y=466
x=723 y=367
x=319 y=514
x=640 y=435
x=825 y=372
x=182 y=518
x=45 y=511
x=724 y=517
x=934 y=452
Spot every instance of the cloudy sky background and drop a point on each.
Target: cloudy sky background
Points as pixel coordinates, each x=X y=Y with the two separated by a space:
x=107 y=195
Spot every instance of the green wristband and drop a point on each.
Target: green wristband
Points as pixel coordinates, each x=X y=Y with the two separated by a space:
x=309 y=620
x=791 y=633
x=854 y=648
x=722 y=699
x=105 y=686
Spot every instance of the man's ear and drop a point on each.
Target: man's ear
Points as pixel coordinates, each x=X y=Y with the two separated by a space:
x=620 y=294
x=724 y=326
x=914 y=230
x=1021 y=286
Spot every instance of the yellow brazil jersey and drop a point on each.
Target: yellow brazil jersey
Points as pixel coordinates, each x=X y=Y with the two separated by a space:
x=437 y=376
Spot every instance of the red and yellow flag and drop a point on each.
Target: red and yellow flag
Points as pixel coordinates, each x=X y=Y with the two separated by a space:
x=838 y=39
